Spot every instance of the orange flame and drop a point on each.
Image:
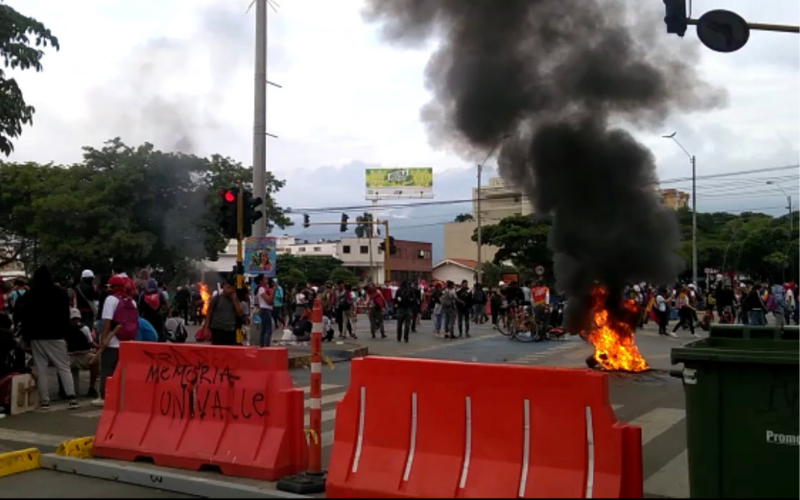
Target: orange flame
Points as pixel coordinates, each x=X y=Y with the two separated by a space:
x=614 y=348
x=204 y=295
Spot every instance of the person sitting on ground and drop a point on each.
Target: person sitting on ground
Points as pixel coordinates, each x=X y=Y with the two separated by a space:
x=175 y=327
x=80 y=346
x=302 y=329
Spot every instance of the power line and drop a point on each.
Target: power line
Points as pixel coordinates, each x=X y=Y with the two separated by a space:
x=524 y=196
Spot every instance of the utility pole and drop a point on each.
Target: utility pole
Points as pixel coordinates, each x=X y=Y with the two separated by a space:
x=479 y=273
x=260 y=113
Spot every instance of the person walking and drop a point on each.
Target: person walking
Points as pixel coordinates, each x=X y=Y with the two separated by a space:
x=448 y=301
x=377 y=308
x=463 y=308
x=404 y=307
x=45 y=324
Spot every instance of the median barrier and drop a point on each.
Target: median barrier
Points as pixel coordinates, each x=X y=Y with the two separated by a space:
x=413 y=428
x=198 y=406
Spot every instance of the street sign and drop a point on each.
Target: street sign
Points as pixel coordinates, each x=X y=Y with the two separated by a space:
x=711 y=270
x=259 y=256
x=539 y=270
x=723 y=30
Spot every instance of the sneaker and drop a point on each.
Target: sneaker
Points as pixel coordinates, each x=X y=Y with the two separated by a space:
x=672 y=334
x=696 y=335
x=44 y=406
x=73 y=404
x=98 y=402
x=383 y=335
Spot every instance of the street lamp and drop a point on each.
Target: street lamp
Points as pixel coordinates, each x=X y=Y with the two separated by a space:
x=694 y=203
x=788 y=205
x=480 y=171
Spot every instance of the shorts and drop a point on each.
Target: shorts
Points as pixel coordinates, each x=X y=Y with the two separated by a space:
x=223 y=337
x=79 y=361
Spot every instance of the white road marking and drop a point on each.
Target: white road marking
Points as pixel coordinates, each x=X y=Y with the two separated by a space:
x=657 y=421
x=672 y=480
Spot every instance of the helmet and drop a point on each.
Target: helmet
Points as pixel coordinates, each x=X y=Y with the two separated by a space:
x=87 y=273
x=636 y=288
x=501 y=284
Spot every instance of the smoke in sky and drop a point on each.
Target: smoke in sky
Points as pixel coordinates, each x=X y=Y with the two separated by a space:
x=559 y=77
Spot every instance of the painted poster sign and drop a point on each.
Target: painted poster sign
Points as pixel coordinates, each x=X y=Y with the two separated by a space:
x=399 y=183
x=259 y=256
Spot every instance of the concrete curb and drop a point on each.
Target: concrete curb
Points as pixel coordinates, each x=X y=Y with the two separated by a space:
x=157 y=478
x=336 y=355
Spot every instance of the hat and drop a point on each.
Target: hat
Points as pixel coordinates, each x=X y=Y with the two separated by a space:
x=117 y=281
x=74 y=314
x=501 y=284
x=87 y=273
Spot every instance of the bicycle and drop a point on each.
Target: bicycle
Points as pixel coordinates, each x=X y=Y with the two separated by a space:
x=518 y=324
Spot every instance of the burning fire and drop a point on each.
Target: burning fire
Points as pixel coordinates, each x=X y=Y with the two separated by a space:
x=204 y=295
x=612 y=338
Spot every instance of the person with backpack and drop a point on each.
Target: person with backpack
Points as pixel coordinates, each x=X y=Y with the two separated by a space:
x=448 y=301
x=151 y=306
x=344 y=301
x=377 y=308
x=175 y=327
x=776 y=304
x=404 y=301
x=120 y=324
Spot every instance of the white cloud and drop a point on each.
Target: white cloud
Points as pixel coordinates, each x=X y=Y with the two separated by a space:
x=349 y=100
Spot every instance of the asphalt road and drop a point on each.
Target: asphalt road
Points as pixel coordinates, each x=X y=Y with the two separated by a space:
x=652 y=400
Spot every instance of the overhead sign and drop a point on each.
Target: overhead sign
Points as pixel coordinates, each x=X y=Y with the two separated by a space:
x=399 y=183
x=723 y=30
x=539 y=270
x=259 y=256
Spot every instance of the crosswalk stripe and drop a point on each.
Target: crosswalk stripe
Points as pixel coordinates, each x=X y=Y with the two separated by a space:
x=672 y=480
x=656 y=421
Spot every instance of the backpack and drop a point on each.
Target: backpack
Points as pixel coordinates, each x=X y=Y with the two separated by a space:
x=771 y=304
x=154 y=300
x=127 y=317
x=447 y=299
x=344 y=300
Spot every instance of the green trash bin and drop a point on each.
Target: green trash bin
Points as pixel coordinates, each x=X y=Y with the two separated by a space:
x=742 y=426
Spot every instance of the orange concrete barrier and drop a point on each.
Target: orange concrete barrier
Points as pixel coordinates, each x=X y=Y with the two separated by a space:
x=410 y=428
x=197 y=406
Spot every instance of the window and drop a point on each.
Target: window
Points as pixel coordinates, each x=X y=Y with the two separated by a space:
x=346 y=249
x=421 y=254
x=364 y=249
x=317 y=249
x=301 y=249
x=517 y=199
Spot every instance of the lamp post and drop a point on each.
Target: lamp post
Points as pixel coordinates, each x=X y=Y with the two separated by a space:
x=479 y=271
x=694 y=204
x=788 y=205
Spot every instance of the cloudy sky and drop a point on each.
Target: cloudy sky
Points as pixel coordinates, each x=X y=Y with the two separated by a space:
x=179 y=73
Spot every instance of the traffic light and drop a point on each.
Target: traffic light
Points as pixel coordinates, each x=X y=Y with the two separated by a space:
x=227 y=213
x=250 y=215
x=343 y=228
x=675 y=18
x=306 y=221
x=392 y=248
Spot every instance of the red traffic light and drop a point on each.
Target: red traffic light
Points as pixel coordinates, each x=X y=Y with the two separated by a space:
x=229 y=197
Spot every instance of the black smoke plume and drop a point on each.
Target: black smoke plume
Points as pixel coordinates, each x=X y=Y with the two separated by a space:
x=557 y=77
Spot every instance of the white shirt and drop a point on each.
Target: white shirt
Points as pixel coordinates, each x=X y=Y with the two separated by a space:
x=261 y=302
x=109 y=308
x=300 y=298
x=87 y=333
x=661 y=303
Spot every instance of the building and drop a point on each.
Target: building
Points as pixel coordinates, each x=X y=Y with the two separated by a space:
x=498 y=201
x=674 y=199
x=320 y=248
x=412 y=261
x=456 y=270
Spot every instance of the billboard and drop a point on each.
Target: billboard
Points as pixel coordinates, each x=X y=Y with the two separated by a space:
x=399 y=183
x=259 y=256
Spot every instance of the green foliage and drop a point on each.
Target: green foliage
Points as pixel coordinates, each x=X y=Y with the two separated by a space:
x=522 y=240
x=315 y=269
x=135 y=205
x=293 y=277
x=752 y=244
x=464 y=218
x=364 y=226
x=493 y=273
x=21 y=42
x=344 y=275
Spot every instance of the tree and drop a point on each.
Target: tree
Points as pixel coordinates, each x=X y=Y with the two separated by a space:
x=18 y=52
x=293 y=277
x=344 y=275
x=521 y=239
x=464 y=218
x=364 y=226
x=316 y=269
x=493 y=273
x=135 y=205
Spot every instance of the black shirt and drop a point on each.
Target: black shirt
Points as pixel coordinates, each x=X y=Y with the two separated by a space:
x=76 y=340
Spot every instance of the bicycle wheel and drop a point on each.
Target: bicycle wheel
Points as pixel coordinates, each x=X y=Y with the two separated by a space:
x=504 y=325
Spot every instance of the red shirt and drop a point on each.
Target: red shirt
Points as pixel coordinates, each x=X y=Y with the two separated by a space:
x=378 y=300
x=386 y=293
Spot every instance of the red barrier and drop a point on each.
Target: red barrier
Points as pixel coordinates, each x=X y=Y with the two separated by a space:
x=198 y=406
x=412 y=428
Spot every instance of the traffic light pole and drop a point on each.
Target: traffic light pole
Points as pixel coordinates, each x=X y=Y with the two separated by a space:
x=239 y=250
